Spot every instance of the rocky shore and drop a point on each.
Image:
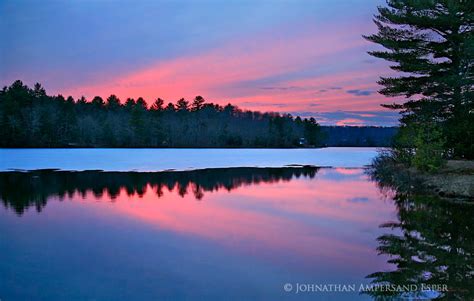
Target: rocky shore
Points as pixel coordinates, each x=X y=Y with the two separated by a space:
x=456 y=179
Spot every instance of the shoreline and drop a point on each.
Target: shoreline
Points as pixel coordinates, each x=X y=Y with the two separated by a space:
x=171 y=170
x=454 y=181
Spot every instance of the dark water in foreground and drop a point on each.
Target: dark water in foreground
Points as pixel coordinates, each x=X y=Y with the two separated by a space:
x=240 y=233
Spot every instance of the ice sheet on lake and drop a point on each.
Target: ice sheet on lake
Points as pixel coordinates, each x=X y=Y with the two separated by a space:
x=180 y=159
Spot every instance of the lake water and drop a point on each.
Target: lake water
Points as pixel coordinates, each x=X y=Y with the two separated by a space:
x=180 y=159
x=213 y=234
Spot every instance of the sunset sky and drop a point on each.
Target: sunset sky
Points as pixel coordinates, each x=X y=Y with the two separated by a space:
x=306 y=58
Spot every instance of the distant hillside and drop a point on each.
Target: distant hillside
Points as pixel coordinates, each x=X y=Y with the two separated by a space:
x=357 y=136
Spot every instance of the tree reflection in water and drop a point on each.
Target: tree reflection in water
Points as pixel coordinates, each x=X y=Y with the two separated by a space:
x=21 y=190
x=431 y=243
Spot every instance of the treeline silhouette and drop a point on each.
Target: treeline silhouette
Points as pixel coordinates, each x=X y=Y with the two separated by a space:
x=367 y=136
x=21 y=190
x=31 y=118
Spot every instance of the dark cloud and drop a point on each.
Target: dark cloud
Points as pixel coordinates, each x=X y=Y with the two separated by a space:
x=280 y=105
x=358 y=92
x=258 y=104
x=358 y=200
x=281 y=88
x=329 y=88
x=312 y=87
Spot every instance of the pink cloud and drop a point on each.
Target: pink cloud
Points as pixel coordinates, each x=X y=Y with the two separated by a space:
x=350 y=121
x=219 y=74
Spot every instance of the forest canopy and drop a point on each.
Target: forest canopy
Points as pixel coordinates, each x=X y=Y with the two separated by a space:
x=31 y=118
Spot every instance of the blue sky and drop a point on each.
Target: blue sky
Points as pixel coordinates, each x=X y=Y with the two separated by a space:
x=286 y=56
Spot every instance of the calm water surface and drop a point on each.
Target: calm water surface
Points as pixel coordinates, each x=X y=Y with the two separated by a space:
x=149 y=159
x=224 y=234
x=238 y=233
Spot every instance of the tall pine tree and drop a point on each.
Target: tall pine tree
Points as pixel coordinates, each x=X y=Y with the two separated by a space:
x=431 y=45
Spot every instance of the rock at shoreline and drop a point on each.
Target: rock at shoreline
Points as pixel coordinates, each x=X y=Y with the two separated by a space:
x=456 y=179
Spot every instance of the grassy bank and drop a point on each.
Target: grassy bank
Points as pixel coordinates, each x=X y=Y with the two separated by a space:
x=454 y=180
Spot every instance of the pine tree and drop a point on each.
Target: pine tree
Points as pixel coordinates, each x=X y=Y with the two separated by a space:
x=197 y=103
x=113 y=102
x=98 y=102
x=182 y=105
x=157 y=106
x=431 y=44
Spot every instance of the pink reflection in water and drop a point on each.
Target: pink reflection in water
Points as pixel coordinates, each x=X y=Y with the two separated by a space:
x=328 y=223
